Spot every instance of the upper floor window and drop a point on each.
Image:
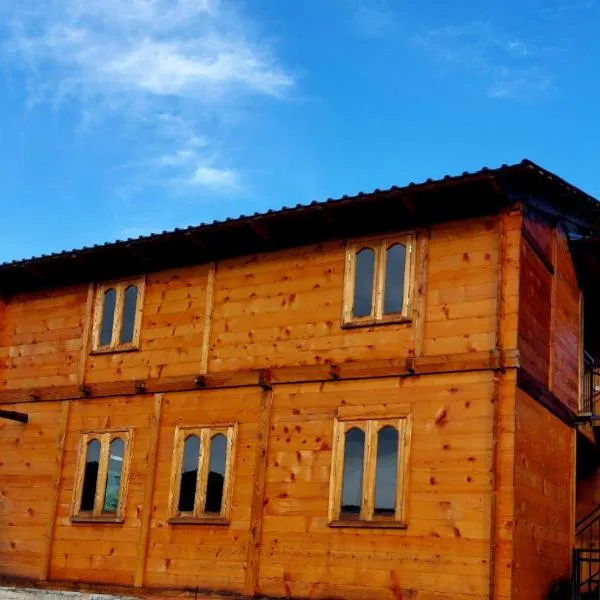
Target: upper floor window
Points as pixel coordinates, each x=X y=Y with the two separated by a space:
x=202 y=473
x=117 y=316
x=101 y=477
x=369 y=472
x=378 y=280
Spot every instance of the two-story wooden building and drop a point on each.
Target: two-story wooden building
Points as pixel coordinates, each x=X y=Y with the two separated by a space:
x=382 y=396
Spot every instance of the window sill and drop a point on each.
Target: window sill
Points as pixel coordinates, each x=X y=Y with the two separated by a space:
x=114 y=350
x=369 y=524
x=376 y=322
x=198 y=521
x=96 y=519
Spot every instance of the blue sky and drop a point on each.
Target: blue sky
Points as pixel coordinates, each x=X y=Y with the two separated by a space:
x=120 y=118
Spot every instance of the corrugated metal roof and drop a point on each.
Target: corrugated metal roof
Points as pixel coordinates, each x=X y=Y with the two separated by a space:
x=284 y=209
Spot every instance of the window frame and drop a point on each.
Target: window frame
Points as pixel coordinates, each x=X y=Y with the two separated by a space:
x=371 y=420
x=379 y=245
x=119 y=286
x=205 y=434
x=104 y=437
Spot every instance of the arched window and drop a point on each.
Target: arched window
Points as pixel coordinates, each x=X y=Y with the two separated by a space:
x=354 y=450
x=116 y=454
x=369 y=467
x=363 y=282
x=106 y=453
x=394 y=279
x=118 y=316
x=90 y=476
x=189 y=474
x=216 y=474
x=378 y=281
x=202 y=468
x=108 y=317
x=128 y=316
x=387 y=471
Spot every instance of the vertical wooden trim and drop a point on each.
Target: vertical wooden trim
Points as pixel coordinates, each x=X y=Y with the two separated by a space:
x=335 y=481
x=87 y=333
x=348 y=289
x=573 y=502
x=60 y=446
x=377 y=297
x=118 y=317
x=496 y=478
x=140 y=565
x=580 y=351
x=176 y=466
x=500 y=298
x=370 y=429
x=419 y=288
x=206 y=437
x=402 y=479
x=229 y=471
x=102 y=473
x=79 y=475
x=139 y=309
x=553 y=293
x=208 y=310
x=251 y=583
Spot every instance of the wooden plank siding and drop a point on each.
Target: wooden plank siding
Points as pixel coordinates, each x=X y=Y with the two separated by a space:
x=544 y=483
x=479 y=451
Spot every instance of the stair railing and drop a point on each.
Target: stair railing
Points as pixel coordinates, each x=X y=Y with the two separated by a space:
x=586 y=557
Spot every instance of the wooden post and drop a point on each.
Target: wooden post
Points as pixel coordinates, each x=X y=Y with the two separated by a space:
x=140 y=565
x=420 y=292
x=258 y=492
x=55 y=490
x=208 y=309
x=86 y=342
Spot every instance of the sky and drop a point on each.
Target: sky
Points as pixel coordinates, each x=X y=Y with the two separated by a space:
x=122 y=118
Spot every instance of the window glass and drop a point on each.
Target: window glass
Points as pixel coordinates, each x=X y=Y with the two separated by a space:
x=90 y=476
x=363 y=283
x=387 y=471
x=189 y=474
x=353 y=472
x=108 y=316
x=128 y=318
x=216 y=474
x=395 y=260
x=113 y=475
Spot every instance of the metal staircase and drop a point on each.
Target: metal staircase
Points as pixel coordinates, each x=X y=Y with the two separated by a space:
x=586 y=558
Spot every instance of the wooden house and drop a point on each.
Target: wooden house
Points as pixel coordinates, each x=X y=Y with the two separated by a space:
x=386 y=396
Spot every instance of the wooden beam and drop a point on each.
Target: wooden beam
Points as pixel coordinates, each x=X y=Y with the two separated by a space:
x=55 y=490
x=395 y=367
x=258 y=492
x=12 y=415
x=146 y=517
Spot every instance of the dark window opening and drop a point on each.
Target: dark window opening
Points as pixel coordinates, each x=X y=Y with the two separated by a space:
x=363 y=283
x=108 y=317
x=90 y=477
x=352 y=480
x=216 y=474
x=128 y=318
x=386 y=472
x=394 y=279
x=189 y=474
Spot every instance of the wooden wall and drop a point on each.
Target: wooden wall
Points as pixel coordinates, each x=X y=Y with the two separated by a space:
x=445 y=551
x=550 y=344
x=41 y=338
x=544 y=480
x=27 y=471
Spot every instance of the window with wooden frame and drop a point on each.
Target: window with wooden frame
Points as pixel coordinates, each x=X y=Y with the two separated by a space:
x=202 y=473
x=118 y=316
x=101 y=476
x=378 y=280
x=369 y=471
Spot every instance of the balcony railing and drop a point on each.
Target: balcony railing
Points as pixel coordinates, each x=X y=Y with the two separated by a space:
x=590 y=396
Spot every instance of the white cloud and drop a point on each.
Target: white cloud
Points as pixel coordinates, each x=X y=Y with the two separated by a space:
x=505 y=66
x=218 y=179
x=168 y=69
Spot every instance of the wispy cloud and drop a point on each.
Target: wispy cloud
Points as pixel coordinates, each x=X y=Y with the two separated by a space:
x=504 y=65
x=147 y=62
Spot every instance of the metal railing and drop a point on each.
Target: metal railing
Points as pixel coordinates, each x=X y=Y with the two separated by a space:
x=590 y=393
x=586 y=557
